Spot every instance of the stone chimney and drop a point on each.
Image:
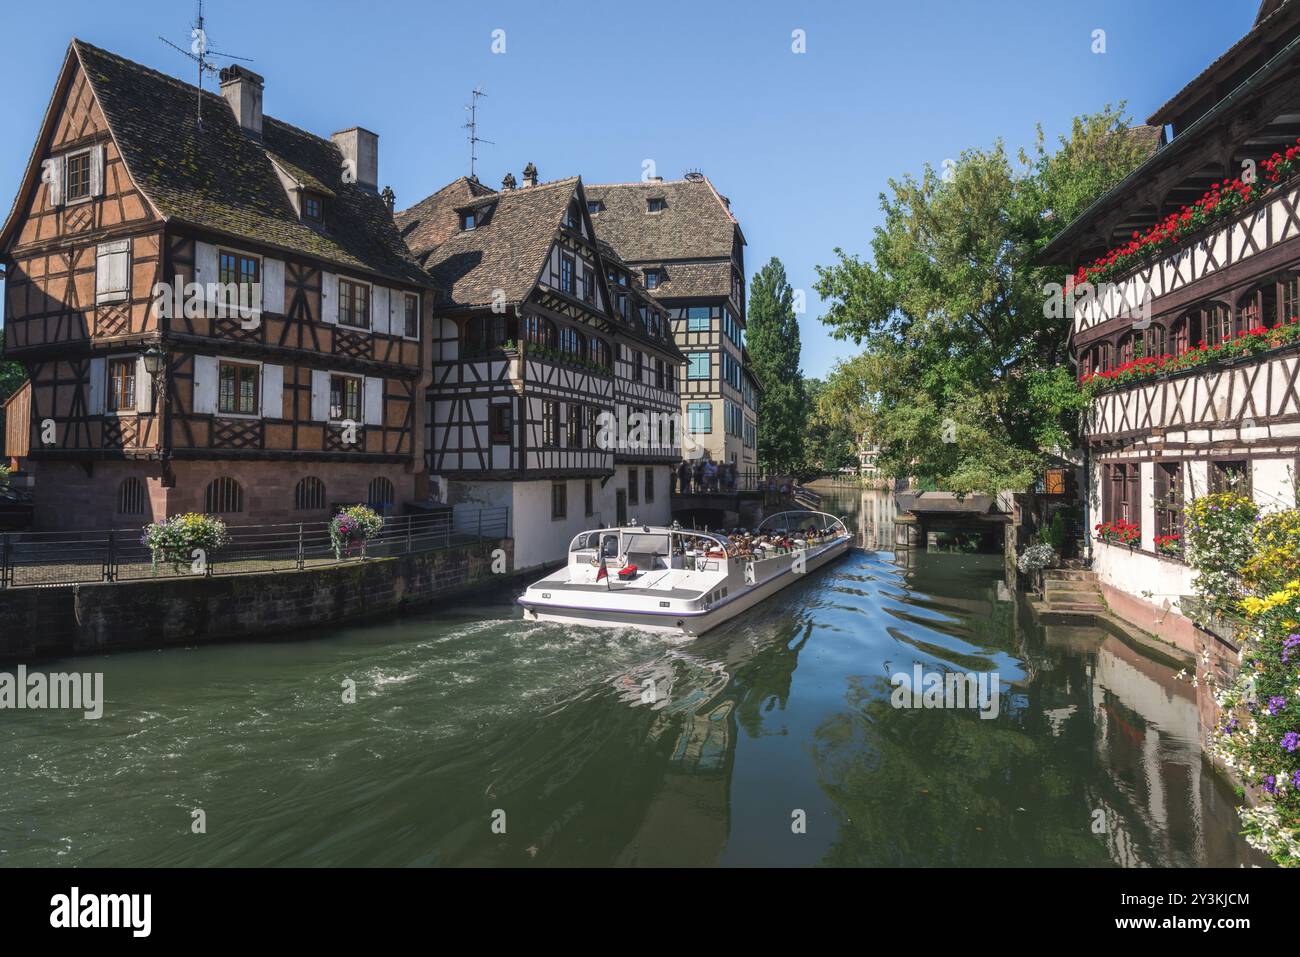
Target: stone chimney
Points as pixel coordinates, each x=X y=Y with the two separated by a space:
x=530 y=175
x=508 y=182
x=242 y=89
x=360 y=149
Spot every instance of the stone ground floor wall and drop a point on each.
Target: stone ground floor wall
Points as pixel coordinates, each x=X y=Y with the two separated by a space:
x=541 y=539
x=67 y=497
x=119 y=616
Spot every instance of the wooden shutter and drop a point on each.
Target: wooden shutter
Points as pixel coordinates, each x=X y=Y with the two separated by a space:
x=96 y=404
x=397 y=312
x=273 y=285
x=372 y=411
x=113 y=271
x=272 y=391
x=329 y=297
x=320 y=396
x=379 y=309
x=97 y=170
x=54 y=170
x=143 y=387
x=1133 y=478
x=205 y=385
x=205 y=265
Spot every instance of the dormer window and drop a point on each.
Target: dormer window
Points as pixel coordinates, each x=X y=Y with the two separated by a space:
x=656 y=204
x=574 y=219
x=467 y=221
x=652 y=278
x=594 y=206
x=313 y=207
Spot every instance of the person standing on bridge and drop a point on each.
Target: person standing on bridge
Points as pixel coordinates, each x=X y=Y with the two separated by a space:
x=684 y=477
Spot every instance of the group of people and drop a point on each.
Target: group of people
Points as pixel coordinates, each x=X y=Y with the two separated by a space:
x=754 y=544
x=704 y=475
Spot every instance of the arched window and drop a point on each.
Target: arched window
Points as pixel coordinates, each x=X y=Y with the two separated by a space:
x=1154 y=341
x=1216 y=322
x=309 y=495
x=1288 y=298
x=379 y=494
x=223 y=495
x=485 y=334
x=130 y=497
x=1126 y=351
x=539 y=331
x=1185 y=333
x=573 y=343
x=1257 y=307
x=600 y=353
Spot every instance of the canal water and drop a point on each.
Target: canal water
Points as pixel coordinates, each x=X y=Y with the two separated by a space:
x=477 y=739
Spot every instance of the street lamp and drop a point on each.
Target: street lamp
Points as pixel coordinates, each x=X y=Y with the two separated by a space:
x=153 y=360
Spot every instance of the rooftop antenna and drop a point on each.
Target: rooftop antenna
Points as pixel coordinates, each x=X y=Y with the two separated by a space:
x=199 y=53
x=472 y=126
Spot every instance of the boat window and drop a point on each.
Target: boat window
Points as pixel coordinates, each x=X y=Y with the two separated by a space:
x=585 y=540
x=644 y=544
x=611 y=546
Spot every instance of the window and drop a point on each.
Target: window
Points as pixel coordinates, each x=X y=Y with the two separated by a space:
x=487 y=334
x=649 y=485
x=380 y=494
x=1123 y=494
x=600 y=353
x=313 y=207
x=121 y=385
x=661 y=374
x=573 y=343
x=656 y=204
x=588 y=284
x=594 y=206
x=566 y=274
x=1169 y=502
x=500 y=422
x=130 y=497
x=222 y=496
x=1054 y=482
x=551 y=424
x=559 y=501
x=699 y=417
x=622 y=305
x=1216 y=321
x=1258 y=307
x=345 y=398
x=698 y=319
x=698 y=365
x=638 y=365
x=239 y=275
x=309 y=495
x=354 y=304
x=77 y=177
x=574 y=426
x=1127 y=350
x=573 y=218
x=113 y=271
x=467 y=221
x=1231 y=476
x=652 y=278
x=412 y=327
x=1288 y=299
x=593 y=427
x=237 y=388
x=1185 y=333
x=588 y=498
x=540 y=331
x=633 y=488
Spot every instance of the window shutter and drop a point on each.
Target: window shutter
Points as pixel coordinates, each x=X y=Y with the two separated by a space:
x=205 y=385
x=96 y=404
x=97 y=170
x=397 y=312
x=373 y=410
x=380 y=308
x=143 y=387
x=54 y=168
x=272 y=391
x=273 y=285
x=320 y=396
x=113 y=271
x=329 y=297
x=205 y=265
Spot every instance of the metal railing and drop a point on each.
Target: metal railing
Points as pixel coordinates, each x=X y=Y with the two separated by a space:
x=65 y=558
x=745 y=480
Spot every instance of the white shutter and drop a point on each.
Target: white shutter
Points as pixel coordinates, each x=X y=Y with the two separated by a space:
x=143 y=387
x=329 y=297
x=54 y=167
x=373 y=408
x=113 y=271
x=273 y=285
x=205 y=385
x=397 y=312
x=97 y=170
x=97 y=386
x=320 y=396
x=205 y=266
x=272 y=391
x=379 y=308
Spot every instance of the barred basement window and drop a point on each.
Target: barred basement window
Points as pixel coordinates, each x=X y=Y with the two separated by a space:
x=559 y=501
x=632 y=488
x=223 y=495
x=309 y=494
x=130 y=497
x=649 y=485
x=380 y=494
x=588 y=498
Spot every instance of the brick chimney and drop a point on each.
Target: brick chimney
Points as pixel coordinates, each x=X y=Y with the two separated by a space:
x=242 y=89
x=361 y=147
x=530 y=175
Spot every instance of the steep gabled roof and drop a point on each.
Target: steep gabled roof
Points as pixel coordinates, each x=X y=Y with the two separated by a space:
x=696 y=222
x=215 y=177
x=433 y=220
x=506 y=251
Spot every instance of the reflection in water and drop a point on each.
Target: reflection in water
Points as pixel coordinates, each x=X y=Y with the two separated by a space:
x=623 y=748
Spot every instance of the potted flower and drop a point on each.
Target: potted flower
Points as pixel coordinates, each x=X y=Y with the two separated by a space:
x=178 y=538
x=352 y=527
x=1169 y=544
x=1119 y=532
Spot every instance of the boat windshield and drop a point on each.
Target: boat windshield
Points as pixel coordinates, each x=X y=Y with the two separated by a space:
x=597 y=540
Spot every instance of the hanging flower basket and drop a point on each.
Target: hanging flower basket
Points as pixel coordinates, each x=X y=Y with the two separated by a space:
x=178 y=538
x=352 y=528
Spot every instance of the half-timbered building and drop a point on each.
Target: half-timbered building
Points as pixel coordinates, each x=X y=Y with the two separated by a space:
x=214 y=308
x=687 y=245
x=1192 y=340
x=547 y=362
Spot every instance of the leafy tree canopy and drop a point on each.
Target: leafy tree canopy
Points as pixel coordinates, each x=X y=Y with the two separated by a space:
x=772 y=338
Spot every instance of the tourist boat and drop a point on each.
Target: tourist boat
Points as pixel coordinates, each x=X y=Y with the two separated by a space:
x=681 y=581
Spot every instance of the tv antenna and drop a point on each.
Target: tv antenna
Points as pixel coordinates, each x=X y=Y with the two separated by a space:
x=199 y=52
x=472 y=126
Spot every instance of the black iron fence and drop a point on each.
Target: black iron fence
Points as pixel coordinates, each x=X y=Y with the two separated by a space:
x=64 y=558
x=740 y=480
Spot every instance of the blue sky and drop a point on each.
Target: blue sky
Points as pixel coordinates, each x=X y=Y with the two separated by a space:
x=801 y=143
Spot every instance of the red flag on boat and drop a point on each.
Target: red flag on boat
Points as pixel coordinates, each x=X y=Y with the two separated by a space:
x=604 y=570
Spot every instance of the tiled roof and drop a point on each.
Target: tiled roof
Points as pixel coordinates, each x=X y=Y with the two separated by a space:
x=506 y=251
x=695 y=223
x=433 y=220
x=694 y=280
x=216 y=177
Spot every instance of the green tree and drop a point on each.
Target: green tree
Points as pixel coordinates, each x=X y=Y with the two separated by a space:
x=970 y=378
x=772 y=337
x=830 y=442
